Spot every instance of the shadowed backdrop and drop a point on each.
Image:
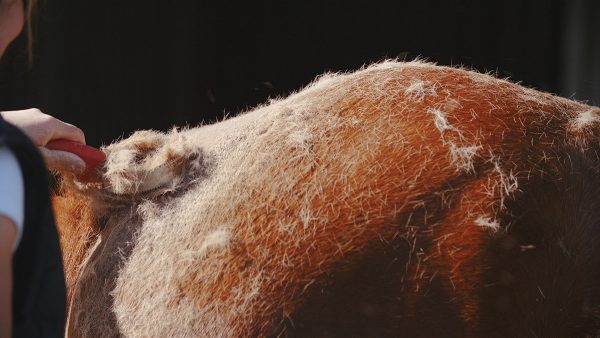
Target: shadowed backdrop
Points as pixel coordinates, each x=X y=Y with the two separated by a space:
x=112 y=67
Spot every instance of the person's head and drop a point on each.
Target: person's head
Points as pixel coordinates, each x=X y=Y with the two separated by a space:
x=12 y=19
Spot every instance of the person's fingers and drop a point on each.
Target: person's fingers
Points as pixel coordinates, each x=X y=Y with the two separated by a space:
x=42 y=128
x=66 y=131
x=62 y=161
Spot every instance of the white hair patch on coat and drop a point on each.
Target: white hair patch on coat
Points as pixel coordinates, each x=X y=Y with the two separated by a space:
x=419 y=89
x=585 y=119
x=462 y=157
x=441 y=121
x=488 y=222
x=217 y=239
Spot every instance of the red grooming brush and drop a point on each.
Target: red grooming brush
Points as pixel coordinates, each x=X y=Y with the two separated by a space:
x=92 y=157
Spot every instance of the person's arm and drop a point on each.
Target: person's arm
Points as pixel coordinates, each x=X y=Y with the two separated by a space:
x=42 y=128
x=8 y=235
x=12 y=216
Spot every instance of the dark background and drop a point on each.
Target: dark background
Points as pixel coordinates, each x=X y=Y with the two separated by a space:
x=115 y=66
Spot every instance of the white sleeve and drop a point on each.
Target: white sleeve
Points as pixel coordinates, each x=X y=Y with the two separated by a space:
x=12 y=191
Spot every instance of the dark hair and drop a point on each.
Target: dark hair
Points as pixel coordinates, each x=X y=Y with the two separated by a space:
x=29 y=6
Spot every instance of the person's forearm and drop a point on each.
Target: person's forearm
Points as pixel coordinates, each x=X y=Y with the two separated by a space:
x=7 y=240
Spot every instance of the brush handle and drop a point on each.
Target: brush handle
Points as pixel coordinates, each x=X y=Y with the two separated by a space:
x=92 y=157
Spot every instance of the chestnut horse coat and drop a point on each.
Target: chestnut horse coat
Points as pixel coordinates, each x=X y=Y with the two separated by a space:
x=403 y=200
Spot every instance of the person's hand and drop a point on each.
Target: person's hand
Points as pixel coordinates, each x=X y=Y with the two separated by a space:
x=42 y=128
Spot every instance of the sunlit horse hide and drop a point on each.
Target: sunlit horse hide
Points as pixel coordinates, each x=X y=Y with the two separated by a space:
x=404 y=200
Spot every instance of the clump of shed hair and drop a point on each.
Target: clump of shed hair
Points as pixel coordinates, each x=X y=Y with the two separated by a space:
x=150 y=161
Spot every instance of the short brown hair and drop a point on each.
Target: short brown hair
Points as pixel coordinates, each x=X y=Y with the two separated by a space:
x=29 y=18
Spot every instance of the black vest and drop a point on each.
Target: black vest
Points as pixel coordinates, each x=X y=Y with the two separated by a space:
x=39 y=294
